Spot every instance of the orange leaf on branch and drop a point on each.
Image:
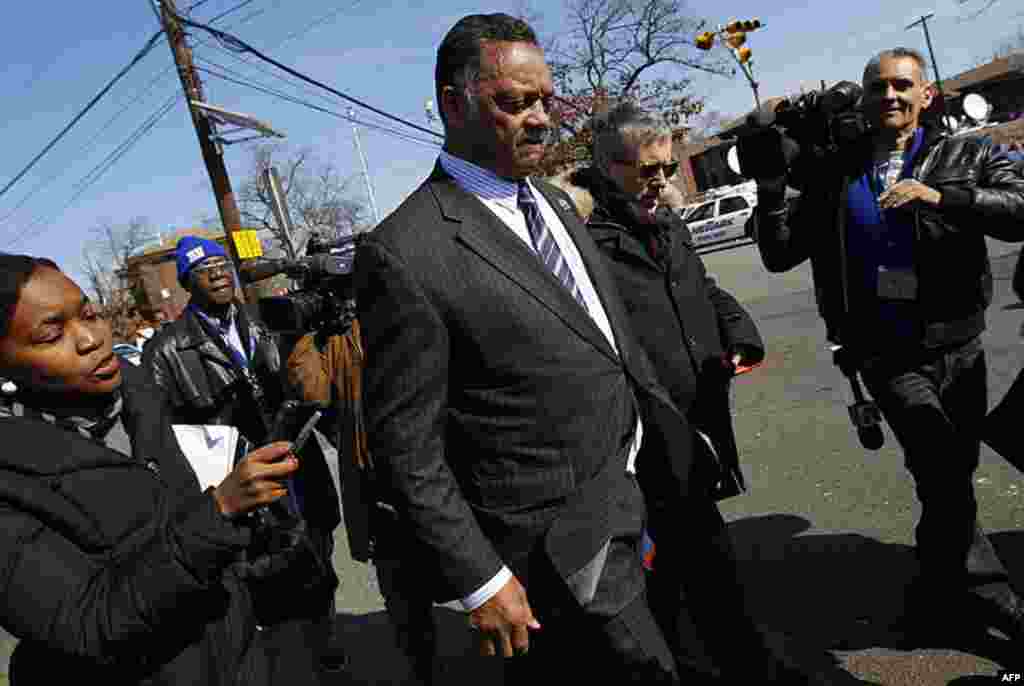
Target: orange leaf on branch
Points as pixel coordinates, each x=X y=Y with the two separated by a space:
x=735 y=40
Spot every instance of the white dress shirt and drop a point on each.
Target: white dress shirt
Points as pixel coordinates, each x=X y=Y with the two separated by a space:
x=500 y=196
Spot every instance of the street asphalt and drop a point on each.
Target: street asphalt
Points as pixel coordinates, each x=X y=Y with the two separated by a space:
x=824 y=534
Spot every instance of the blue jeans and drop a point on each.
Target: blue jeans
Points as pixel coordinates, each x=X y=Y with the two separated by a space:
x=935 y=402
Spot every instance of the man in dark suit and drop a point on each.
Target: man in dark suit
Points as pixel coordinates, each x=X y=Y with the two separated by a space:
x=506 y=398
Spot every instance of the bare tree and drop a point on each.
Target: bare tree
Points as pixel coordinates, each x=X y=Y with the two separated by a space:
x=104 y=261
x=638 y=49
x=318 y=196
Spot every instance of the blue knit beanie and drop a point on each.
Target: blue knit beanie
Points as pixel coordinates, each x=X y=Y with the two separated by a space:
x=191 y=250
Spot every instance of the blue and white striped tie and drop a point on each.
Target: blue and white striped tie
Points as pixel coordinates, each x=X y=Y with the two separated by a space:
x=545 y=244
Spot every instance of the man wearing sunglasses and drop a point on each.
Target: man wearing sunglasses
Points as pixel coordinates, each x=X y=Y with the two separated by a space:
x=695 y=335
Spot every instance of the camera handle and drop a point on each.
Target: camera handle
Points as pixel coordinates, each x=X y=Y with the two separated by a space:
x=864 y=414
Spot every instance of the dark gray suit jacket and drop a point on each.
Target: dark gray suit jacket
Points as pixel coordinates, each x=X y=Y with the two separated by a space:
x=496 y=409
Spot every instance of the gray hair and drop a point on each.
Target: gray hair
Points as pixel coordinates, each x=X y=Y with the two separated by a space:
x=622 y=128
x=874 y=65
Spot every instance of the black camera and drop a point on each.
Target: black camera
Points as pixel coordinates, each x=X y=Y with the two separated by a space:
x=325 y=300
x=814 y=123
x=864 y=414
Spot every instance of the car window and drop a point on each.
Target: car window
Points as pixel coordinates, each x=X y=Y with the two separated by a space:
x=705 y=211
x=733 y=204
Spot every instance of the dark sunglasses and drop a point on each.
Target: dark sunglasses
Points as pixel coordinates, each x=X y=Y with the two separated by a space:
x=649 y=171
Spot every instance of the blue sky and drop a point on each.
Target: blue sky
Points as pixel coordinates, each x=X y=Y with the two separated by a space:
x=56 y=56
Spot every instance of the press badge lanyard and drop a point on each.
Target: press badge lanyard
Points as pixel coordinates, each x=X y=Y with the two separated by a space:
x=223 y=327
x=895 y=282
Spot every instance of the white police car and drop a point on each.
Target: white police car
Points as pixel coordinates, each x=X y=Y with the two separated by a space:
x=721 y=215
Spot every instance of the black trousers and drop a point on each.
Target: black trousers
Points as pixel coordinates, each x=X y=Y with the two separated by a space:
x=696 y=595
x=603 y=642
x=935 y=403
x=399 y=568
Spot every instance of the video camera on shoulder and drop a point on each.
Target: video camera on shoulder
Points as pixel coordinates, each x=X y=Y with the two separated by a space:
x=814 y=123
x=325 y=300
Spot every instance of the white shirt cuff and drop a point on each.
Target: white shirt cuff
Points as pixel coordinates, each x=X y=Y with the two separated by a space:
x=487 y=591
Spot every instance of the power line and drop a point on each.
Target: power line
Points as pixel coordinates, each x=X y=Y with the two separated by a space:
x=97 y=172
x=135 y=60
x=240 y=45
x=316 y=22
x=196 y=5
x=305 y=103
x=233 y=9
x=90 y=144
x=284 y=79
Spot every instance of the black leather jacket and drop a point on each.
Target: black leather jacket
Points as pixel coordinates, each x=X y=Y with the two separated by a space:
x=203 y=386
x=982 y=195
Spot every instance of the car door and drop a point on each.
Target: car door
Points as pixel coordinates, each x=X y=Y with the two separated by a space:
x=733 y=212
x=700 y=220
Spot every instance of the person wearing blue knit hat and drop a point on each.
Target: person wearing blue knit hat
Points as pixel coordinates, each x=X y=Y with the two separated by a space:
x=191 y=251
x=217 y=365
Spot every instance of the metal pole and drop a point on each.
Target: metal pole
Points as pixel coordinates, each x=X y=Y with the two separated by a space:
x=279 y=205
x=923 y=21
x=230 y=217
x=366 y=170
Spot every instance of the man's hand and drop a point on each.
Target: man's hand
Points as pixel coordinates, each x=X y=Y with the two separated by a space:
x=504 y=621
x=907 y=191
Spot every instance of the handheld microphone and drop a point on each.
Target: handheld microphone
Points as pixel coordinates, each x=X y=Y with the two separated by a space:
x=871 y=437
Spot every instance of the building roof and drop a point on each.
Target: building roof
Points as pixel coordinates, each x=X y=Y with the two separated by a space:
x=999 y=69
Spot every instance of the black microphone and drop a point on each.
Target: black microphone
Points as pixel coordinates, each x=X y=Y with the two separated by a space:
x=259 y=269
x=871 y=437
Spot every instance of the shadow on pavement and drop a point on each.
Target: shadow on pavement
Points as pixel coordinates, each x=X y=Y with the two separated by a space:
x=843 y=592
x=812 y=594
x=375 y=659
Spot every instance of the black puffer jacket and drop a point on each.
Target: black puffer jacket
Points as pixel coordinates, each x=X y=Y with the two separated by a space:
x=115 y=569
x=982 y=195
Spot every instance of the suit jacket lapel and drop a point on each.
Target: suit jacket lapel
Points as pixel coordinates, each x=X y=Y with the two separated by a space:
x=487 y=236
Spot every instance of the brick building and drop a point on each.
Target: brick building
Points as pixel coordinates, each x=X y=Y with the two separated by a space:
x=151 y=277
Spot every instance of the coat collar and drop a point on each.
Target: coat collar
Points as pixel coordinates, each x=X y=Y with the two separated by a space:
x=190 y=334
x=491 y=240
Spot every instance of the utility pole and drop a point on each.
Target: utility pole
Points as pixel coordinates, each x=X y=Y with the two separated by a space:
x=211 y=151
x=923 y=21
x=366 y=170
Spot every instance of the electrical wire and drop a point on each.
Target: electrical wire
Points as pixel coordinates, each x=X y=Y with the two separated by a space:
x=316 y=22
x=235 y=43
x=196 y=5
x=233 y=9
x=276 y=75
x=90 y=144
x=94 y=139
x=92 y=103
x=97 y=172
x=284 y=96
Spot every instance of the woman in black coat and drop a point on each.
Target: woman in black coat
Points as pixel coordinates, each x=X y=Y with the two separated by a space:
x=115 y=567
